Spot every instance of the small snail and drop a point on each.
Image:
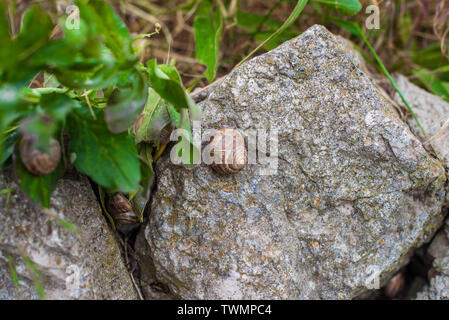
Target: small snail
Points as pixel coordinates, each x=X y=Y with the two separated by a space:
x=395 y=285
x=122 y=212
x=228 y=150
x=36 y=161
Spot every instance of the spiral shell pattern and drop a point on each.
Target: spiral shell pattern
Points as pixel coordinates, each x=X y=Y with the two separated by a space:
x=38 y=162
x=121 y=210
x=228 y=150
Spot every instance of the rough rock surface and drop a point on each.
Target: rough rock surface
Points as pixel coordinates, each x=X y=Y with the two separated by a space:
x=60 y=255
x=431 y=110
x=439 y=285
x=354 y=193
x=432 y=113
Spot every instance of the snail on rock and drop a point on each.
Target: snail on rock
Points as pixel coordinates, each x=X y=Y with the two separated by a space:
x=228 y=150
x=38 y=162
x=122 y=212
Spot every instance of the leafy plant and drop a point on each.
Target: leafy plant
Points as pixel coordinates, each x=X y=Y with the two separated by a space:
x=208 y=26
x=94 y=88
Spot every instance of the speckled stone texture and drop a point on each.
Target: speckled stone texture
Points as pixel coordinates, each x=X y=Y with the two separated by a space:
x=432 y=113
x=438 y=289
x=355 y=190
x=59 y=254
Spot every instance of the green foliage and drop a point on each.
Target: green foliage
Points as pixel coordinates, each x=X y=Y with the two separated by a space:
x=39 y=188
x=35 y=274
x=432 y=82
x=109 y=159
x=12 y=271
x=10 y=140
x=252 y=23
x=95 y=87
x=346 y=7
x=208 y=26
x=155 y=118
x=126 y=101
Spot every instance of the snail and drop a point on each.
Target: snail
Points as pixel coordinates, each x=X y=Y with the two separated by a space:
x=122 y=212
x=395 y=285
x=36 y=161
x=228 y=150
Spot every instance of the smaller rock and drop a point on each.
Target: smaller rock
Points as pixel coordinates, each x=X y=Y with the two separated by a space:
x=433 y=114
x=438 y=245
x=431 y=111
x=87 y=265
x=438 y=289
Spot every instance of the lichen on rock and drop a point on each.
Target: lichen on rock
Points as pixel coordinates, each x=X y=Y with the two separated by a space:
x=355 y=191
x=87 y=265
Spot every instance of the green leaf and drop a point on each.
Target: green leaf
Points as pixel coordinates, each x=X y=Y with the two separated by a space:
x=102 y=194
x=126 y=102
x=141 y=196
x=8 y=146
x=34 y=34
x=68 y=225
x=5 y=37
x=12 y=271
x=165 y=80
x=154 y=119
x=175 y=116
x=57 y=105
x=432 y=82
x=35 y=273
x=102 y=19
x=109 y=159
x=103 y=75
x=346 y=7
x=39 y=188
x=208 y=26
x=251 y=21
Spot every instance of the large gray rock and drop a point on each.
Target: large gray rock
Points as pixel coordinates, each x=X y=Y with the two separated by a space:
x=62 y=257
x=354 y=194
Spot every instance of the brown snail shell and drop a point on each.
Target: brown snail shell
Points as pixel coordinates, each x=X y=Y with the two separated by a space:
x=395 y=285
x=36 y=161
x=228 y=150
x=122 y=212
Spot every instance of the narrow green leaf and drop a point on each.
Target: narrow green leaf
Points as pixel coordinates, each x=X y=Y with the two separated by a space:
x=346 y=7
x=68 y=225
x=8 y=143
x=12 y=271
x=208 y=26
x=35 y=273
x=101 y=192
